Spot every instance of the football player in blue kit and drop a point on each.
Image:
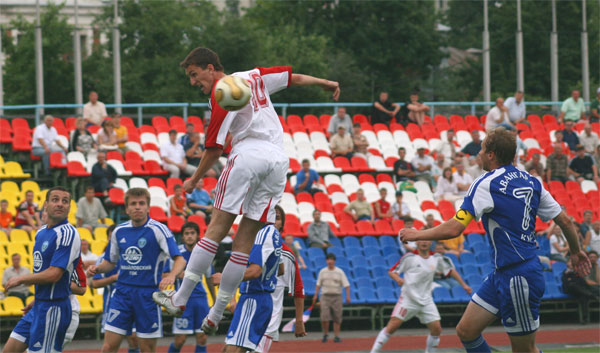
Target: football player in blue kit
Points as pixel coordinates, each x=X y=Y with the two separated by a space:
x=56 y=252
x=141 y=247
x=197 y=307
x=507 y=200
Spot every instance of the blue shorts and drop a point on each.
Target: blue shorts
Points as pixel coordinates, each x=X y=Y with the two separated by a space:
x=44 y=327
x=250 y=320
x=514 y=295
x=131 y=307
x=105 y=315
x=191 y=320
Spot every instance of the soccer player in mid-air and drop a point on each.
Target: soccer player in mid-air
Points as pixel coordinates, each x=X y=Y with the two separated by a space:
x=56 y=252
x=252 y=181
x=507 y=200
x=140 y=246
x=419 y=268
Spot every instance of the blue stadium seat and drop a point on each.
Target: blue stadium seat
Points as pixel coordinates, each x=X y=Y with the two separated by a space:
x=363 y=282
x=392 y=260
x=483 y=256
x=552 y=291
x=374 y=260
x=474 y=279
x=474 y=239
x=315 y=253
x=359 y=261
x=387 y=241
x=318 y=263
x=346 y=270
x=385 y=282
x=353 y=251
x=367 y=295
x=354 y=297
x=307 y=274
x=351 y=242
x=486 y=269
x=337 y=251
x=309 y=286
x=549 y=277
x=460 y=295
x=370 y=241
x=379 y=271
x=557 y=270
x=470 y=270
x=442 y=295
x=371 y=250
x=389 y=250
x=453 y=258
x=467 y=258
x=303 y=253
x=386 y=296
x=360 y=272
x=302 y=242
x=342 y=261
x=335 y=241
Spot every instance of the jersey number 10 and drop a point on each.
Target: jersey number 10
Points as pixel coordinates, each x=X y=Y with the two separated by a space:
x=259 y=98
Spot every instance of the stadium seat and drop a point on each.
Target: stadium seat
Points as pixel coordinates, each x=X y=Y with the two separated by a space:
x=158 y=214
x=460 y=295
x=12 y=306
x=175 y=223
x=76 y=169
x=116 y=196
x=442 y=295
x=14 y=170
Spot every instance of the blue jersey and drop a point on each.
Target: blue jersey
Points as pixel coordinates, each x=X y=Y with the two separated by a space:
x=141 y=252
x=507 y=200
x=110 y=287
x=59 y=246
x=199 y=291
x=266 y=252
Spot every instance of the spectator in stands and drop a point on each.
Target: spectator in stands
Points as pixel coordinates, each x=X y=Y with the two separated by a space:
x=593 y=279
x=403 y=170
x=400 y=209
x=595 y=108
x=446 y=188
x=570 y=136
x=307 y=179
x=289 y=241
x=383 y=110
x=107 y=138
x=81 y=139
x=94 y=111
x=381 y=208
x=341 y=144
x=173 y=157
x=592 y=237
x=429 y=222
x=588 y=138
x=516 y=108
x=6 y=217
x=498 y=116
x=474 y=147
x=121 y=133
x=360 y=209
x=199 y=201
x=449 y=147
x=597 y=156
x=573 y=108
x=476 y=169
x=446 y=282
x=45 y=141
x=416 y=109
x=186 y=140
x=521 y=146
x=103 y=175
x=423 y=164
x=438 y=167
x=556 y=164
x=361 y=145
x=28 y=217
x=21 y=291
x=582 y=167
x=330 y=282
x=88 y=258
x=558 y=245
x=177 y=203
x=462 y=179
x=588 y=216
x=319 y=232
x=90 y=210
x=455 y=246
x=341 y=118
x=411 y=245
x=534 y=166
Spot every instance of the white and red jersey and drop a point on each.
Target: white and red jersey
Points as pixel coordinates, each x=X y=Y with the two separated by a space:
x=290 y=278
x=418 y=275
x=78 y=276
x=257 y=120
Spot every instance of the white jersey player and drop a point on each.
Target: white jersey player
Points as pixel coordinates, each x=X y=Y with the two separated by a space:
x=253 y=180
x=419 y=268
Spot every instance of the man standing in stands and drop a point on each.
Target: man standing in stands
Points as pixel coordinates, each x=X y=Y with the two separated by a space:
x=383 y=110
x=94 y=111
x=319 y=232
x=45 y=141
x=340 y=118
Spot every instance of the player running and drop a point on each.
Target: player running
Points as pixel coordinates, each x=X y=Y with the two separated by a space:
x=507 y=200
x=197 y=308
x=56 y=252
x=140 y=247
x=253 y=180
x=290 y=279
x=419 y=268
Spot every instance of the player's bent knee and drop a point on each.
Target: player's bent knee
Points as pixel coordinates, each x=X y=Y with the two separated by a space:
x=435 y=329
x=466 y=333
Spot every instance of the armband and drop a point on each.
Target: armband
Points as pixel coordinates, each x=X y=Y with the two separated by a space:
x=463 y=216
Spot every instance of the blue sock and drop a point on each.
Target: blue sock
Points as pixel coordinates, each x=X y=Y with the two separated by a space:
x=200 y=349
x=133 y=350
x=173 y=349
x=478 y=345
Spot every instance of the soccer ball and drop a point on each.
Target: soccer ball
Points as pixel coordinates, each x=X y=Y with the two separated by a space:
x=232 y=93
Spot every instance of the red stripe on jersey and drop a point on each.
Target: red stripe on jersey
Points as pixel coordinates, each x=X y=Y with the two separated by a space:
x=277 y=70
x=399 y=261
x=263 y=217
x=79 y=275
x=217 y=115
x=298 y=285
x=223 y=183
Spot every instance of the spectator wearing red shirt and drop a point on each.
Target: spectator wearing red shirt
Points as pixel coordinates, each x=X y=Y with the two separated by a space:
x=27 y=217
x=177 y=204
x=382 y=208
x=5 y=217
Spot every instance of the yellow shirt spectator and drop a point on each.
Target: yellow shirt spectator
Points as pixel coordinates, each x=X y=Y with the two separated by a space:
x=121 y=133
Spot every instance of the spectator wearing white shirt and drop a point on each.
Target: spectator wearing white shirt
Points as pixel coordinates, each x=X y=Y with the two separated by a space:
x=446 y=187
x=173 y=157
x=498 y=116
x=588 y=138
x=516 y=108
x=400 y=209
x=44 y=139
x=423 y=164
x=94 y=111
x=461 y=177
x=476 y=169
x=87 y=257
x=340 y=118
x=449 y=147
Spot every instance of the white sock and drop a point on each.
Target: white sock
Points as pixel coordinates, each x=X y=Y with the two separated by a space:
x=230 y=281
x=200 y=260
x=432 y=342
x=380 y=341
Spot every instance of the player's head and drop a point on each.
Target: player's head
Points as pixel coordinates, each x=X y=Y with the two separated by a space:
x=137 y=204
x=190 y=232
x=58 y=204
x=279 y=218
x=423 y=245
x=202 y=65
x=498 y=149
x=330 y=259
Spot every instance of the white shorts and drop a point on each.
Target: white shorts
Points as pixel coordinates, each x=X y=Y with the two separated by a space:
x=277 y=316
x=72 y=327
x=406 y=309
x=253 y=180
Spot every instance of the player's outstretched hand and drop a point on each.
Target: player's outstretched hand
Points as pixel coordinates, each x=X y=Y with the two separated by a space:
x=13 y=282
x=581 y=263
x=299 y=331
x=189 y=186
x=408 y=234
x=92 y=270
x=468 y=289
x=166 y=281
x=334 y=87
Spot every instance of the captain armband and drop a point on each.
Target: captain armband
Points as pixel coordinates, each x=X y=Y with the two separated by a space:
x=463 y=216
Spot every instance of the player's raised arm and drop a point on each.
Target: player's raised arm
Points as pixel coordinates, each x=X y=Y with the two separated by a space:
x=581 y=263
x=307 y=80
x=452 y=228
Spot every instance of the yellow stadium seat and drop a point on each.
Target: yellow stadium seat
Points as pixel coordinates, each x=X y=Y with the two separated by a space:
x=16 y=248
x=14 y=170
x=1 y=160
x=98 y=247
x=30 y=185
x=72 y=219
x=108 y=221
x=86 y=305
x=8 y=186
x=12 y=306
x=29 y=299
x=19 y=235
x=85 y=233
x=41 y=196
x=98 y=303
x=100 y=234
x=3 y=237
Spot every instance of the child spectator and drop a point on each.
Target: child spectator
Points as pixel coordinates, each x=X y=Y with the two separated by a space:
x=6 y=217
x=382 y=207
x=177 y=204
x=120 y=132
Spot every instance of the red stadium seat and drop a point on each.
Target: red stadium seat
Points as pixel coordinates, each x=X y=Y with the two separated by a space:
x=366 y=178
x=136 y=166
x=321 y=153
x=127 y=121
x=153 y=168
x=133 y=135
x=380 y=127
x=159 y=121
x=158 y=182
x=304 y=197
x=428 y=205
x=384 y=178
x=294 y=229
x=56 y=161
x=342 y=162
x=115 y=155
x=383 y=227
x=294 y=121
x=175 y=223
x=360 y=164
x=321 y=197
x=294 y=165
x=334 y=188
x=199 y=221
x=20 y=123
x=116 y=196
x=150 y=146
x=5 y=125
x=210 y=183
x=132 y=156
x=5 y=135
x=397 y=224
x=311 y=120
x=324 y=206
x=324 y=121
x=360 y=118
x=347 y=228
x=171 y=182
x=158 y=214
x=76 y=169
x=148 y=129
x=365 y=228
x=390 y=161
